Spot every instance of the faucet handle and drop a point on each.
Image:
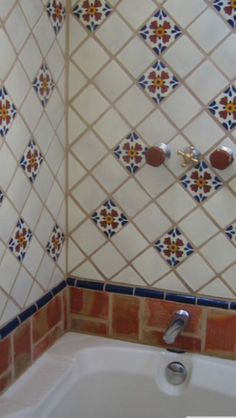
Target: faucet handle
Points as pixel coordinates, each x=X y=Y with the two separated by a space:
x=190 y=156
x=177 y=324
x=156 y=155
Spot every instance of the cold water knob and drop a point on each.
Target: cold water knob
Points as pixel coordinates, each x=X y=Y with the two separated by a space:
x=221 y=158
x=156 y=155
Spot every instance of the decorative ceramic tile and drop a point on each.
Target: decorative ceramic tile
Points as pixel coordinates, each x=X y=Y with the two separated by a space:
x=109 y=218
x=158 y=81
x=91 y=13
x=160 y=32
x=20 y=240
x=227 y=8
x=7 y=112
x=1 y=197
x=44 y=84
x=131 y=152
x=55 y=243
x=201 y=182
x=56 y=13
x=231 y=232
x=224 y=108
x=31 y=161
x=174 y=247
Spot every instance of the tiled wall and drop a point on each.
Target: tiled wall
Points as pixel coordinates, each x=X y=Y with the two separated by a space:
x=141 y=73
x=32 y=151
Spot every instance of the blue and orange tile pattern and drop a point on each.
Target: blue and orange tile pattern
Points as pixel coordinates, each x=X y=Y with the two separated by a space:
x=174 y=247
x=55 y=243
x=44 y=84
x=224 y=108
x=20 y=240
x=227 y=8
x=7 y=112
x=109 y=218
x=131 y=152
x=57 y=13
x=92 y=13
x=31 y=161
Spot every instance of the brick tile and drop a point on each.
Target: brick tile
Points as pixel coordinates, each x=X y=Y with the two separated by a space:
x=89 y=327
x=125 y=317
x=221 y=334
x=22 y=348
x=5 y=357
x=183 y=342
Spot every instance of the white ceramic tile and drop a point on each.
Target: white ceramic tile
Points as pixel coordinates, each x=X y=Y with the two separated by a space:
x=44 y=34
x=181 y=106
x=195 y=272
x=17 y=84
x=110 y=174
x=7 y=167
x=22 y=287
x=55 y=155
x=9 y=268
x=55 y=199
x=35 y=294
x=55 y=109
x=45 y=271
x=150 y=265
x=75 y=171
x=7 y=54
x=201 y=30
x=43 y=133
x=225 y=57
x=198 y=227
x=129 y=241
x=76 y=125
x=32 y=10
x=32 y=209
x=112 y=80
x=43 y=182
x=76 y=80
x=138 y=13
x=131 y=197
x=77 y=34
x=75 y=256
x=221 y=207
x=90 y=99
x=218 y=289
x=89 y=194
x=61 y=217
x=134 y=105
x=17 y=28
x=108 y=260
x=87 y=270
x=19 y=189
x=219 y=252
x=75 y=214
x=90 y=57
x=203 y=132
x=156 y=128
x=128 y=276
x=19 y=130
x=112 y=127
x=206 y=87
x=89 y=149
x=31 y=110
x=88 y=237
x=176 y=202
x=136 y=57
x=8 y=220
x=183 y=56
x=229 y=277
x=171 y=283
x=3 y=301
x=11 y=310
x=55 y=61
x=184 y=11
x=44 y=227
x=152 y=222
x=154 y=180
x=6 y=6
x=114 y=33
x=33 y=256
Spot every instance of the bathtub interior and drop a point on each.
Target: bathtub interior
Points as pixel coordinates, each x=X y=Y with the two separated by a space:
x=92 y=377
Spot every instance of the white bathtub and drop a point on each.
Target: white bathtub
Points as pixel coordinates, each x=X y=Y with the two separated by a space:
x=91 y=377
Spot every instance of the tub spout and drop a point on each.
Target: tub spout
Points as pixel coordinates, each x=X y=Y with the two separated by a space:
x=176 y=326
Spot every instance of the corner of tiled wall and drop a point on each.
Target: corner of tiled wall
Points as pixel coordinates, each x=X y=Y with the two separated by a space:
x=32 y=151
x=141 y=74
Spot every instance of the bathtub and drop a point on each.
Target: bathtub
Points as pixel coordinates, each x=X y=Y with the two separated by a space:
x=91 y=377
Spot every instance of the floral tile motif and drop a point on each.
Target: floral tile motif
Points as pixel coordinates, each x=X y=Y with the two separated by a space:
x=230 y=231
x=56 y=13
x=7 y=112
x=224 y=107
x=158 y=81
x=31 y=161
x=20 y=240
x=55 y=243
x=227 y=8
x=91 y=13
x=109 y=218
x=201 y=182
x=1 y=197
x=174 y=247
x=131 y=152
x=44 y=84
x=160 y=32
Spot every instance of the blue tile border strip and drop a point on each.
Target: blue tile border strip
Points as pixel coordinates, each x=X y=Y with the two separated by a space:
x=208 y=302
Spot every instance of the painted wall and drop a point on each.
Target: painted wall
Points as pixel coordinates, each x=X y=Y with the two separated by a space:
x=32 y=143
x=142 y=73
